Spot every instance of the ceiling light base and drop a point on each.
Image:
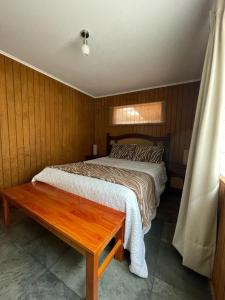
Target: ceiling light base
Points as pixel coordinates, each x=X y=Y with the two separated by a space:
x=84 y=33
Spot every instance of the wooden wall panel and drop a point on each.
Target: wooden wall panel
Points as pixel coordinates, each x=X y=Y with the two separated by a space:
x=42 y=122
x=180 y=109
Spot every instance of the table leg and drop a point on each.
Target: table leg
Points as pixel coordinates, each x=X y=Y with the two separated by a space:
x=91 y=277
x=5 y=211
x=120 y=236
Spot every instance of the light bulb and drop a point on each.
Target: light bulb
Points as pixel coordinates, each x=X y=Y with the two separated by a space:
x=85 y=49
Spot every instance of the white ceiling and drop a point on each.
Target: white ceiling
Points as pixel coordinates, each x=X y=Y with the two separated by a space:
x=135 y=44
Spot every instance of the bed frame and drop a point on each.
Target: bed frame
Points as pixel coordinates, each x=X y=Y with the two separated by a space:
x=137 y=138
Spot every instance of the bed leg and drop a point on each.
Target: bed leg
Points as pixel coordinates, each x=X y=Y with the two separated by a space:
x=6 y=212
x=91 y=277
x=120 y=236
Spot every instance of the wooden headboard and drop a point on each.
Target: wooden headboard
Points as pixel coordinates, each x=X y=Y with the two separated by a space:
x=141 y=139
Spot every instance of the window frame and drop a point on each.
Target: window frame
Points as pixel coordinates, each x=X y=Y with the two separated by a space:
x=163 y=123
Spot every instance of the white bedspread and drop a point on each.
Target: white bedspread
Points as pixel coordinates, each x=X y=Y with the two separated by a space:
x=115 y=196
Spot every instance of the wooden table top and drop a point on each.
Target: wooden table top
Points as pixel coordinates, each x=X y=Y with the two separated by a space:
x=87 y=224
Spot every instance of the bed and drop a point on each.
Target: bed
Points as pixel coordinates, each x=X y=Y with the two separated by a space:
x=118 y=196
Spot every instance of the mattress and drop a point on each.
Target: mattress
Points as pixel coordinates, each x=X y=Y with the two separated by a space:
x=157 y=171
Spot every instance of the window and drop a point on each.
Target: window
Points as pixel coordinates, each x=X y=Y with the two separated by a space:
x=146 y=113
x=222 y=149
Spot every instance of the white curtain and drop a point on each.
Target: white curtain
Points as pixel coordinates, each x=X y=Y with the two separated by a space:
x=195 y=235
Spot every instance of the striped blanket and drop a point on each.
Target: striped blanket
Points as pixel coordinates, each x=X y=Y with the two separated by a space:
x=140 y=183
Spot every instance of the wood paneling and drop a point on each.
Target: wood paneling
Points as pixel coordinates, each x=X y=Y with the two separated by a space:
x=218 y=277
x=180 y=109
x=42 y=122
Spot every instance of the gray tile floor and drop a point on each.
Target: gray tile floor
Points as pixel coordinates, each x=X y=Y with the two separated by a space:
x=35 y=265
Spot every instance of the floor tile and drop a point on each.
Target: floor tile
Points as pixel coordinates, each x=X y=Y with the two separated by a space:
x=70 y=268
x=156 y=228
x=18 y=270
x=152 y=250
x=48 y=287
x=7 y=248
x=25 y=232
x=169 y=269
x=17 y=216
x=47 y=249
x=163 y=291
x=168 y=232
x=117 y=281
x=169 y=207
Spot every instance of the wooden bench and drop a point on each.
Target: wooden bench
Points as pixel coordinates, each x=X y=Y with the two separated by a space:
x=83 y=224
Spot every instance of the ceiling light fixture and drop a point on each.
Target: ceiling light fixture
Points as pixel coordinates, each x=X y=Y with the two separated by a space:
x=85 y=48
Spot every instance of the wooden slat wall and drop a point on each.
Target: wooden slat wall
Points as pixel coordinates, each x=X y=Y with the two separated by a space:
x=180 y=110
x=42 y=122
x=218 y=278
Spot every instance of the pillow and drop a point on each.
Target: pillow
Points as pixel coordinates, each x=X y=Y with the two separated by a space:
x=151 y=154
x=122 y=151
